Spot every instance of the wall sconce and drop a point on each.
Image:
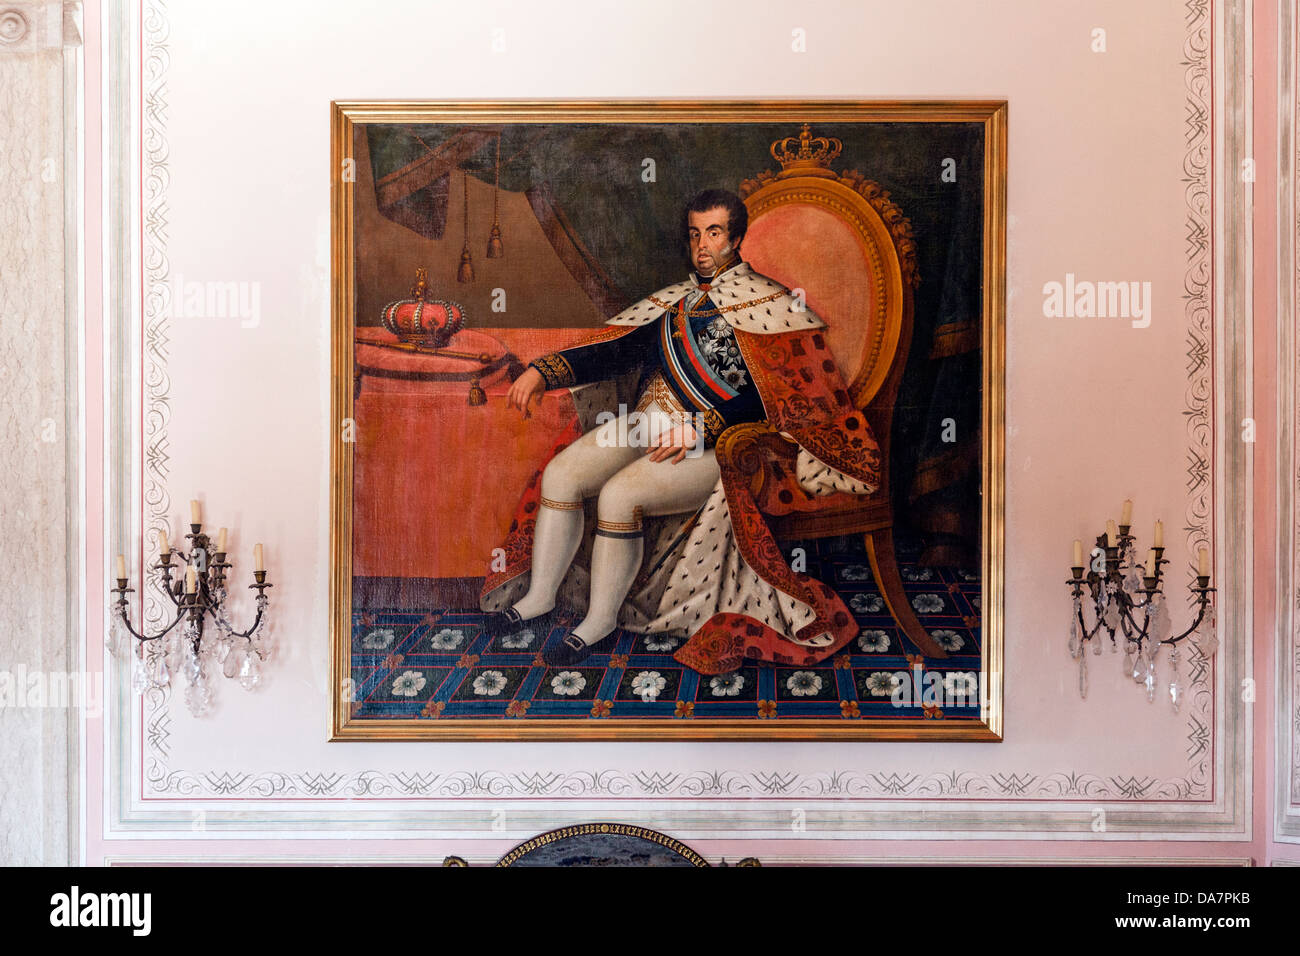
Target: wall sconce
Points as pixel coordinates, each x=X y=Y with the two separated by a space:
x=1114 y=588
x=198 y=593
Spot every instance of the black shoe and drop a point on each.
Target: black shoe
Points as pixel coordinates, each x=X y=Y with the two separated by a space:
x=501 y=623
x=573 y=650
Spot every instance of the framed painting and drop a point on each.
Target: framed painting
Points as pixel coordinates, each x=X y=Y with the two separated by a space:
x=670 y=420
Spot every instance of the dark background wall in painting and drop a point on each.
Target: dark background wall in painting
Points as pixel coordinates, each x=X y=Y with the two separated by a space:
x=585 y=235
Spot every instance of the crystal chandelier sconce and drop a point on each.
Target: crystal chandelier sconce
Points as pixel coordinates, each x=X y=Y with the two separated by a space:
x=188 y=644
x=1130 y=604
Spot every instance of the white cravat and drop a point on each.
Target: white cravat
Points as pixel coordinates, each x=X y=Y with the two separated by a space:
x=696 y=294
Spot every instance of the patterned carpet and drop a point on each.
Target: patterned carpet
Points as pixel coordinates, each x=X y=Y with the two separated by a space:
x=439 y=665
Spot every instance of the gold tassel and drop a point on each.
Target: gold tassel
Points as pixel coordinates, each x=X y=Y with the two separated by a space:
x=494 y=247
x=476 y=394
x=466 y=271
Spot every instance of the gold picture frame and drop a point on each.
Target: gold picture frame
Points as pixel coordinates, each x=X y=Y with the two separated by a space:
x=345 y=119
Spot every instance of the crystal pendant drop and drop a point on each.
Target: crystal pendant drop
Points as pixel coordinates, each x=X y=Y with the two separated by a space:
x=1083 y=676
x=1150 y=681
x=1159 y=619
x=1139 y=672
x=1127 y=667
x=230 y=666
x=262 y=643
x=115 y=641
x=250 y=671
x=1176 y=691
x=193 y=667
x=197 y=696
x=139 y=673
x=159 y=675
x=1207 y=642
x=261 y=637
x=175 y=649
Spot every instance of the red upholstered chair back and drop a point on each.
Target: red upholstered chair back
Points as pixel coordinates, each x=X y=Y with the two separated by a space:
x=841 y=240
x=810 y=248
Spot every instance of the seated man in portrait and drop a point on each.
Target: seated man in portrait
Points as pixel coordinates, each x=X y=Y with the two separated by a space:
x=679 y=550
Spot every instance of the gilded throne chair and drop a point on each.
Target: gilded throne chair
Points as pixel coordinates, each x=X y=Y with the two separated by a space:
x=840 y=239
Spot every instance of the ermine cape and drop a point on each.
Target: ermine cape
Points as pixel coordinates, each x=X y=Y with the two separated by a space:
x=715 y=586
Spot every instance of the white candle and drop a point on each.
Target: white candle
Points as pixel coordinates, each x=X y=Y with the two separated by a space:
x=1126 y=513
x=194 y=512
x=1078 y=553
x=221 y=541
x=121 y=568
x=191 y=580
x=257 y=558
x=1203 y=566
x=1151 y=563
x=1112 y=534
x=1160 y=534
x=162 y=544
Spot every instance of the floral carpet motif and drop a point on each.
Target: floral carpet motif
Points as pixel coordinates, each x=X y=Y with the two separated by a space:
x=439 y=665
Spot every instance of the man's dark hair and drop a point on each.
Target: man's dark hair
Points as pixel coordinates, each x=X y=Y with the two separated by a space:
x=737 y=214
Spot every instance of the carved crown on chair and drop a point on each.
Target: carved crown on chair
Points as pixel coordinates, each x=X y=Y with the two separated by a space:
x=808 y=155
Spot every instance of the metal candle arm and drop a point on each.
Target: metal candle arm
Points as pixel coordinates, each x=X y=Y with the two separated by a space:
x=202 y=601
x=1095 y=582
x=218 y=608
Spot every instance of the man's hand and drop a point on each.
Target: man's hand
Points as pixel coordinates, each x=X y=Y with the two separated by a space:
x=527 y=387
x=674 y=442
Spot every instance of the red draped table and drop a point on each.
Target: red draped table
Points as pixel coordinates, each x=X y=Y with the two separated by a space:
x=436 y=478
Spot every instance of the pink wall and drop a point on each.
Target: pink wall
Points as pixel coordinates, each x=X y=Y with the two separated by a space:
x=1054 y=86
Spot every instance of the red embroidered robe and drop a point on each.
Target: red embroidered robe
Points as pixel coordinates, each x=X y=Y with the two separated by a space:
x=831 y=449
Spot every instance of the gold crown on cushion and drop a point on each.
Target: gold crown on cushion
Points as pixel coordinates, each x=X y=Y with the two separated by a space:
x=806 y=156
x=423 y=320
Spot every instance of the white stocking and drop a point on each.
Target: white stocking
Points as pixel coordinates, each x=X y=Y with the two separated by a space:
x=556 y=537
x=614 y=566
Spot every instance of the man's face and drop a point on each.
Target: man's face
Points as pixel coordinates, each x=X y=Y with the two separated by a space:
x=710 y=244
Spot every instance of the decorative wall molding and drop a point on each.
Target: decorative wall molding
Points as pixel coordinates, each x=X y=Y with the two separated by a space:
x=40 y=340
x=1286 y=817
x=1210 y=801
x=34 y=26
x=1198 y=306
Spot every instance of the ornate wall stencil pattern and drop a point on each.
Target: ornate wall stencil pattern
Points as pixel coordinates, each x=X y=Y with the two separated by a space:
x=155 y=291
x=684 y=784
x=1196 y=784
x=1198 y=289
